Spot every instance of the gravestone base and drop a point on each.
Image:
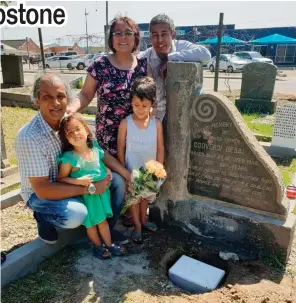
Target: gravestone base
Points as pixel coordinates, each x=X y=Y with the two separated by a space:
x=245 y=233
x=262 y=106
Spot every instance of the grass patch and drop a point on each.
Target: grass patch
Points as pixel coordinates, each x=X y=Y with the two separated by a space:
x=287 y=167
x=55 y=281
x=10 y=188
x=13 y=119
x=259 y=128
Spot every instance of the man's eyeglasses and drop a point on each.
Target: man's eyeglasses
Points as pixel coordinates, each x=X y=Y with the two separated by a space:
x=121 y=34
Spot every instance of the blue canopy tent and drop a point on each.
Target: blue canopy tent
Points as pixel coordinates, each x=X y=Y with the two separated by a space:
x=225 y=40
x=274 y=39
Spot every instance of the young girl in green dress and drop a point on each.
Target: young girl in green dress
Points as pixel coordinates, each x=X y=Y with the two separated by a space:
x=82 y=163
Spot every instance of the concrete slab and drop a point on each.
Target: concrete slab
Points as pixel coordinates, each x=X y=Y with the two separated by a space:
x=195 y=276
x=10 y=199
x=10 y=181
x=8 y=171
x=27 y=258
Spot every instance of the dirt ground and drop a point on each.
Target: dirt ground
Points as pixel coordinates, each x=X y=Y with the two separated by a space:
x=17 y=226
x=75 y=276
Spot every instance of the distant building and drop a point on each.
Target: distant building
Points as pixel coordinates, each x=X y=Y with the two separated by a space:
x=60 y=49
x=21 y=46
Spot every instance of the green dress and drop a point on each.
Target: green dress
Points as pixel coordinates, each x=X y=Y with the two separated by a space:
x=98 y=206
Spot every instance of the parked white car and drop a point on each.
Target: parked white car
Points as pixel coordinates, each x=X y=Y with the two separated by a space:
x=252 y=57
x=57 y=62
x=227 y=62
x=82 y=62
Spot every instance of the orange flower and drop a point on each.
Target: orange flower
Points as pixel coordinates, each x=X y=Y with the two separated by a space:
x=152 y=165
x=160 y=173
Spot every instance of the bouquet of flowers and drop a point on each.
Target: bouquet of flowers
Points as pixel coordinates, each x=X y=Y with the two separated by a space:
x=146 y=181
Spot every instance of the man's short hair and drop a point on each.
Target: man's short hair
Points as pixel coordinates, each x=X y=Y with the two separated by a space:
x=162 y=19
x=54 y=78
x=144 y=88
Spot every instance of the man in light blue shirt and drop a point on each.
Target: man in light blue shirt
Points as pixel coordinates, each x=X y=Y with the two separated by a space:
x=165 y=48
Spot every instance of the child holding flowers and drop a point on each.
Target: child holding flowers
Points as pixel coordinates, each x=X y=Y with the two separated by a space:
x=140 y=140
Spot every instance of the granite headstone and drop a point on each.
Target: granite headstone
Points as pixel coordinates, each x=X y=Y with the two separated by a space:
x=258 y=80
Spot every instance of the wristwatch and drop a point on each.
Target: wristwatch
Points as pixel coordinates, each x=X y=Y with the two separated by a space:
x=91 y=189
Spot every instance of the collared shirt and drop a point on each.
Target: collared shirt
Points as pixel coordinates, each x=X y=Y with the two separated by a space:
x=37 y=147
x=181 y=50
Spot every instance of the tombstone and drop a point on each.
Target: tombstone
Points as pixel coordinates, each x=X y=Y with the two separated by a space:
x=257 y=88
x=12 y=70
x=283 y=143
x=221 y=185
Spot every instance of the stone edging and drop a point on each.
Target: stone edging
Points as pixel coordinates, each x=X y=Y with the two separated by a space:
x=27 y=258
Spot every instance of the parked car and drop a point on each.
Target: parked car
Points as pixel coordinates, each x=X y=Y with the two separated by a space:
x=252 y=57
x=57 y=62
x=68 y=53
x=227 y=62
x=82 y=62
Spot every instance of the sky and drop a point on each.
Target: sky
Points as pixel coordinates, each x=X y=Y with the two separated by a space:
x=244 y=14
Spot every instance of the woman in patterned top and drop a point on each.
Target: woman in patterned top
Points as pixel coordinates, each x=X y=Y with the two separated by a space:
x=112 y=77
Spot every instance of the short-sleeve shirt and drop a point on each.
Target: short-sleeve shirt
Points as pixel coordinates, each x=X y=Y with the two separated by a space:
x=114 y=98
x=37 y=147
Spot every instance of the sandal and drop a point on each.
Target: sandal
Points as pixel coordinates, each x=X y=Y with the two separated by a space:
x=150 y=226
x=136 y=237
x=101 y=252
x=116 y=250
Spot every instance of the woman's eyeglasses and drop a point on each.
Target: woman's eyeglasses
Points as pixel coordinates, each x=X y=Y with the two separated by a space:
x=121 y=34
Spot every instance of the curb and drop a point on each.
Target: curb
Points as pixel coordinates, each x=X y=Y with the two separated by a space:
x=10 y=199
x=27 y=258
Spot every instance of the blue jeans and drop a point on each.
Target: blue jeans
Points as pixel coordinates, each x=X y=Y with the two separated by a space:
x=117 y=190
x=67 y=213
x=70 y=213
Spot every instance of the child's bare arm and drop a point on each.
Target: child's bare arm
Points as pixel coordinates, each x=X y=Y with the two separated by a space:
x=160 y=142
x=121 y=140
x=63 y=176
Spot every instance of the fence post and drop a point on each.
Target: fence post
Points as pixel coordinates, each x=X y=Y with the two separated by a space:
x=220 y=33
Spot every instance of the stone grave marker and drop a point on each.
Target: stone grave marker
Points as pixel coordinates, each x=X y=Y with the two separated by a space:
x=12 y=70
x=283 y=142
x=221 y=185
x=258 y=80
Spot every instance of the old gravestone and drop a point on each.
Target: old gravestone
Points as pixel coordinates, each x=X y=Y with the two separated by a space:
x=283 y=142
x=257 y=88
x=12 y=70
x=221 y=183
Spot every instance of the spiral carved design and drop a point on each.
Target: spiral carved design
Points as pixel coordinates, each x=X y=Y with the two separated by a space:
x=204 y=110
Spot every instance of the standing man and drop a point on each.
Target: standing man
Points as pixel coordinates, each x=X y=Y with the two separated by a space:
x=165 y=48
